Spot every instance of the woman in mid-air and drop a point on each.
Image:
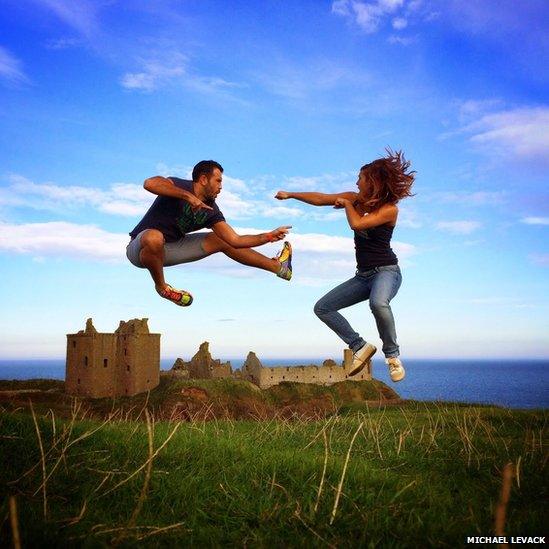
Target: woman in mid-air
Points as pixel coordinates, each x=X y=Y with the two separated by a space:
x=372 y=215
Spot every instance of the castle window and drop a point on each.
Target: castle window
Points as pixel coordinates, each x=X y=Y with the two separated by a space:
x=105 y=362
x=283 y=377
x=73 y=344
x=85 y=361
x=78 y=381
x=125 y=351
x=128 y=368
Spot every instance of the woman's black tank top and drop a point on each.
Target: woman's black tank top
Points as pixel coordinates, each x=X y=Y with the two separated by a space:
x=373 y=247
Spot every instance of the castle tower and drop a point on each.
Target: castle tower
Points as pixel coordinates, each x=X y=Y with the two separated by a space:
x=91 y=363
x=138 y=358
x=109 y=365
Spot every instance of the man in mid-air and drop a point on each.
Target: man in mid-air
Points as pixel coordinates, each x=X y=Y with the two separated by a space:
x=161 y=239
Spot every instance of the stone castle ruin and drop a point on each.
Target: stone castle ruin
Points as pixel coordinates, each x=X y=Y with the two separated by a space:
x=203 y=366
x=127 y=362
x=123 y=363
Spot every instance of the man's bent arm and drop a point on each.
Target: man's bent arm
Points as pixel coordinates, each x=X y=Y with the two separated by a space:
x=316 y=199
x=163 y=186
x=224 y=231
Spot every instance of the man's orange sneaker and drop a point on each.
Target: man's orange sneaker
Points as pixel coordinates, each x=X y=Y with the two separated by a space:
x=179 y=297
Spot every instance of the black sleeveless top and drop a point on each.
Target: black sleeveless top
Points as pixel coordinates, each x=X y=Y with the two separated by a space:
x=373 y=247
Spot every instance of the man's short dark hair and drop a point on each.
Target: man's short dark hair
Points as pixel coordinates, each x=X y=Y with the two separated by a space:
x=205 y=167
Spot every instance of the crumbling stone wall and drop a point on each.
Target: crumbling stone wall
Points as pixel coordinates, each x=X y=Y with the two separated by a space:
x=328 y=373
x=123 y=363
x=203 y=366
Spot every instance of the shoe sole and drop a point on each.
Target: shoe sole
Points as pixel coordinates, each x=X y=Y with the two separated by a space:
x=360 y=367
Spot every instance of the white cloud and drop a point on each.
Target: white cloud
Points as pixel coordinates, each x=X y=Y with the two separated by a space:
x=121 y=199
x=521 y=132
x=311 y=78
x=459 y=227
x=540 y=259
x=155 y=73
x=63 y=43
x=535 y=220
x=319 y=259
x=402 y=40
x=367 y=15
x=172 y=68
x=474 y=198
x=11 y=69
x=79 y=15
x=58 y=238
x=399 y=23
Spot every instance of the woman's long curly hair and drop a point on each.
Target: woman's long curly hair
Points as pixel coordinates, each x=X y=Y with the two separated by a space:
x=390 y=180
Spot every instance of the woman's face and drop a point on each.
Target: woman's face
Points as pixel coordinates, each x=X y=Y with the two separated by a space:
x=362 y=183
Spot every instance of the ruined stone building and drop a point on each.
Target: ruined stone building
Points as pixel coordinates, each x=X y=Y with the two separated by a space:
x=123 y=363
x=327 y=374
x=203 y=366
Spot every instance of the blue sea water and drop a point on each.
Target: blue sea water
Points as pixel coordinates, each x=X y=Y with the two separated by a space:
x=511 y=383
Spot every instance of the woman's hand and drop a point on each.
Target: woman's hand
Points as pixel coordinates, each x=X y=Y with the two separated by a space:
x=341 y=203
x=282 y=195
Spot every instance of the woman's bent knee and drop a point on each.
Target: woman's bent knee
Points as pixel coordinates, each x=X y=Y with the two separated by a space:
x=320 y=309
x=379 y=307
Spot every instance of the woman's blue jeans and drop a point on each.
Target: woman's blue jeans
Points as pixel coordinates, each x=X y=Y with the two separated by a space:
x=379 y=286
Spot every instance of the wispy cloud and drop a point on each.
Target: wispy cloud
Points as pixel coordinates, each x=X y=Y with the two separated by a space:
x=172 y=69
x=521 y=132
x=540 y=259
x=58 y=238
x=11 y=68
x=124 y=199
x=459 y=227
x=474 y=198
x=80 y=15
x=369 y=15
x=155 y=74
x=318 y=256
x=299 y=81
x=63 y=43
x=535 y=220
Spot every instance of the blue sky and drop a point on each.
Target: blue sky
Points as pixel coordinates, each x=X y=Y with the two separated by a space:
x=97 y=96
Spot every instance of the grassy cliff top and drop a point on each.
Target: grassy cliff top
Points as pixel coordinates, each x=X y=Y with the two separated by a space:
x=199 y=399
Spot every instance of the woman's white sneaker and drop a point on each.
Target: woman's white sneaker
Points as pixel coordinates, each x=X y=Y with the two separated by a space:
x=365 y=353
x=396 y=369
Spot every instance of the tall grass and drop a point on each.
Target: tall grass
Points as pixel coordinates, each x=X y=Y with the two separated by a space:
x=421 y=474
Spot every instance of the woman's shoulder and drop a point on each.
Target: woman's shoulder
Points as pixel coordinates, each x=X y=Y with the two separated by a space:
x=390 y=213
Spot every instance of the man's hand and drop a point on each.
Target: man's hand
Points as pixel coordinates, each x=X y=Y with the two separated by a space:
x=341 y=203
x=197 y=204
x=282 y=195
x=279 y=233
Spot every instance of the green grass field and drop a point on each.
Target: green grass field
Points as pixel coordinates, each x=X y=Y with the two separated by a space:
x=402 y=476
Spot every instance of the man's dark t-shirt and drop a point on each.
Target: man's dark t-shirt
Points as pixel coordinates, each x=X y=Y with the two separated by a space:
x=173 y=217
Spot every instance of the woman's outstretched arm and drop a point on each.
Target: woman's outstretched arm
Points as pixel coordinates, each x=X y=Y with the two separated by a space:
x=316 y=199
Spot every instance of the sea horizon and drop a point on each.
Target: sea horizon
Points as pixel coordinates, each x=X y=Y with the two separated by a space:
x=513 y=383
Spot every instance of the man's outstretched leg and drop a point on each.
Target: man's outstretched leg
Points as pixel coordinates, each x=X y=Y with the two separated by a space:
x=280 y=265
